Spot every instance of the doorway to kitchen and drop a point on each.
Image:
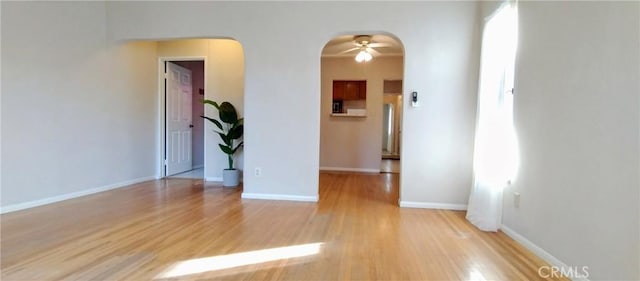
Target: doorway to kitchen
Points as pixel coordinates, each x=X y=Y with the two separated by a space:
x=391 y=130
x=358 y=117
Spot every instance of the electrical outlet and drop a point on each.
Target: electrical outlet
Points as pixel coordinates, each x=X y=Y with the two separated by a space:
x=516 y=199
x=258 y=172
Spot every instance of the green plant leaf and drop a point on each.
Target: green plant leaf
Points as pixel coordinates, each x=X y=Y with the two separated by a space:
x=226 y=149
x=239 y=145
x=214 y=121
x=225 y=139
x=215 y=104
x=232 y=131
x=236 y=132
x=228 y=113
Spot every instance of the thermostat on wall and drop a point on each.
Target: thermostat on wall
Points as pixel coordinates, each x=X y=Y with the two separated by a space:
x=414 y=99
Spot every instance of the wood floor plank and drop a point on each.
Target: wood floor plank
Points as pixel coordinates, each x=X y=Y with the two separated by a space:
x=143 y=231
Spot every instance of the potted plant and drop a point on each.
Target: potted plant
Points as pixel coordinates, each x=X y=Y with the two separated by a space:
x=230 y=131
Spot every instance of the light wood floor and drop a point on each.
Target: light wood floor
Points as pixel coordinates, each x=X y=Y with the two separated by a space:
x=155 y=230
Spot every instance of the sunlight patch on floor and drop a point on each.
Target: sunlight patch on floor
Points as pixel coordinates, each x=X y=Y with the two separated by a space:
x=208 y=264
x=475 y=275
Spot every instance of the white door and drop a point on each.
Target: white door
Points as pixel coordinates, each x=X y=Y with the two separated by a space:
x=178 y=119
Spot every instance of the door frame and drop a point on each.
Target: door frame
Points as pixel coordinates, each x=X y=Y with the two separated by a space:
x=162 y=114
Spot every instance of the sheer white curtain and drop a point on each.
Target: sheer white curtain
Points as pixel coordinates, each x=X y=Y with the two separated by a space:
x=495 y=151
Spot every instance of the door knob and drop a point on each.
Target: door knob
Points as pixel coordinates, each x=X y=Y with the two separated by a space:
x=190 y=125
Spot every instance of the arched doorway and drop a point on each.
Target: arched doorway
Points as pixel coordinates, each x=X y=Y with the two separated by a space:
x=222 y=61
x=361 y=105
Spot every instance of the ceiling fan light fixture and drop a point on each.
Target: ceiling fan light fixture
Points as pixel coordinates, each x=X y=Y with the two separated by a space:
x=360 y=56
x=367 y=56
x=363 y=56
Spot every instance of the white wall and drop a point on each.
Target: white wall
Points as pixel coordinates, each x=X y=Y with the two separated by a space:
x=354 y=142
x=282 y=44
x=576 y=116
x=224 y=82
x=0 y=107
x=77 y=112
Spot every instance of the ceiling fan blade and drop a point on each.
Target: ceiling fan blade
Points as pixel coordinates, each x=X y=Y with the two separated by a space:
x=343 y=45
x=373 y=52
x=349 y=50
x=378 y=45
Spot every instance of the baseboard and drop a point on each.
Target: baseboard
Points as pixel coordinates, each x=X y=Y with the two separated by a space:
x=342 y=169
x=279 y=197
x=54 y=199
x=428 y=205
x=218 y=179
x=546 y=256
x=197 y=167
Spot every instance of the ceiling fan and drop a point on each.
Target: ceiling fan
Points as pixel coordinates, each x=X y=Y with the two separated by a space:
x=365 y=46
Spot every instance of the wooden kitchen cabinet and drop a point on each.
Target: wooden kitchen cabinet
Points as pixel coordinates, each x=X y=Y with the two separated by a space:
x=349 y=90
x=362 y=93
x=352 y=90
x=338 y=90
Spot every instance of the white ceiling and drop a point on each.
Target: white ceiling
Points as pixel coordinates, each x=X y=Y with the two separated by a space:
x=337 y=45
